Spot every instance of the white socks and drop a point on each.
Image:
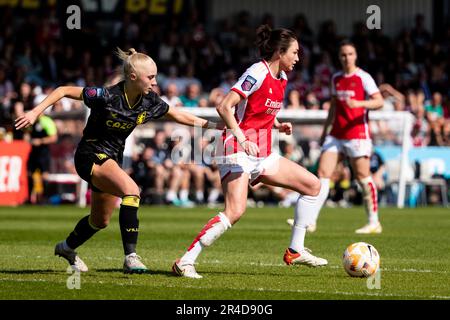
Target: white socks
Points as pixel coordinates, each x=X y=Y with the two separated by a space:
x=321 y=198
x=210 y=232
x=370 y=195
x=304 y=210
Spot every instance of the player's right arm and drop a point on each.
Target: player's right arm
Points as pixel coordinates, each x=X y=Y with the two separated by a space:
x=329 y=120
x=29 y=118
x=226 y=112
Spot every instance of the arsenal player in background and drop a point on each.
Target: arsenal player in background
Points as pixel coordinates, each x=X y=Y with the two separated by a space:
x=354 y=93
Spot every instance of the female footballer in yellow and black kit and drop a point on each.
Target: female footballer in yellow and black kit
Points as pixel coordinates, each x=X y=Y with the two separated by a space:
x=115 y=112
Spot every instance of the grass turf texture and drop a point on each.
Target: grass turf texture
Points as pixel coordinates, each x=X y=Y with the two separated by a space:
x=246 y=263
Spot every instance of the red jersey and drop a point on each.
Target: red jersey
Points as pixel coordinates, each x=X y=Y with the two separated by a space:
x=263 y=96
x=351 y=123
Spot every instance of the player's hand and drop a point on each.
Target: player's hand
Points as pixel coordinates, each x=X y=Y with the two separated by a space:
x=250 y=148
x=26 y=120
x=285 y=127
x=352 y=103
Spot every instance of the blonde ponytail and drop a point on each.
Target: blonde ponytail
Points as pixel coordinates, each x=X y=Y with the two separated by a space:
x=132 y=60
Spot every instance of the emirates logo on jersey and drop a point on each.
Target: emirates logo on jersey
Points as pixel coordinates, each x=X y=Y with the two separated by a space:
x=345 y=94
x=273 y=107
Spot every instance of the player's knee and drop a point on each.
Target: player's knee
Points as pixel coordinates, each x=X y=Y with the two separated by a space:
x=315 y=187
x=131 y=189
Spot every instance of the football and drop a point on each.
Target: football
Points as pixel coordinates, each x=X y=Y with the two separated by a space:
x=361 y=259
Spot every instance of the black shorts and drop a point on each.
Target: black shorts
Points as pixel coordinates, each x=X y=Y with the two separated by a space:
x=84 y=163
x=40 y=160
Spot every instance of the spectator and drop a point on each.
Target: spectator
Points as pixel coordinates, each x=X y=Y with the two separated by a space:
x=43 y=133
x=434 y=110
x=193 y=98
x=171 y=96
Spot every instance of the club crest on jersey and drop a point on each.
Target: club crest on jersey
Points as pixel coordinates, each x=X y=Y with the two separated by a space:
x=248 y=83
x=141 y=117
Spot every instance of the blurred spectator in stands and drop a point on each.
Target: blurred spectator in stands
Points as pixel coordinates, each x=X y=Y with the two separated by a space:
x=29 y=63
x=62 y=155
x=302 y=30
x=7 y=95
x=171 y=97
x=70 y=71
x=230 y=78
x=434 y=110
x=436 y=135
x=446 y=132
x=43 y=133
x=21 y=104
x=324 y=70
x=421 y=130
x=146 y=174
x=293 y=101
x=328 y=39
x=171 y=51
x=205 y=173
x=421 y=39
x=320 y=90
x=193 y=97
x=311 y=101
x=173 y=77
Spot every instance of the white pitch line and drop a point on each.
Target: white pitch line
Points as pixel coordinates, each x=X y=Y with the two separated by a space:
x=261 y=264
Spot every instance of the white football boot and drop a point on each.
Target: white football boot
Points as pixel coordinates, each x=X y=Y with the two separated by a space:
x=133 y=264
x=71 y=256
x=303 y=257
x=185 y=270
x=370 y=228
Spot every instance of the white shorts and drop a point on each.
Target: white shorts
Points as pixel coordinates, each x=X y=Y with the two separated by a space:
x=353 y=148
x=241 y=162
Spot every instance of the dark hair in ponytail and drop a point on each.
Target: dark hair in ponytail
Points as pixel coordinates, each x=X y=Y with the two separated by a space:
x=269 y=41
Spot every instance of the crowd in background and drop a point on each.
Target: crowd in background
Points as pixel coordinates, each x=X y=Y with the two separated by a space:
x=196 y=68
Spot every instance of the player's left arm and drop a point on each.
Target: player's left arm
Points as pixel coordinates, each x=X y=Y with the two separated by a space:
x=186 y=118
x=370 y=88
x=375 y=102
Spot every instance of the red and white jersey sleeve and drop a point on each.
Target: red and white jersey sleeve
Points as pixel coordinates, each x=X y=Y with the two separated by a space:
x=263 y=96
x=351 y=123
x=251 y=80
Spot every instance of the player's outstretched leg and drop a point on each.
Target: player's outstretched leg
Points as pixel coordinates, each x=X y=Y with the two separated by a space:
x=297 y=253
x=66 y=249
x=211 y=232
x=129 y=229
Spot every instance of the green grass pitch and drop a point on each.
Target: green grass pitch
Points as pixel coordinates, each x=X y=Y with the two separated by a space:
x=246 y=263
